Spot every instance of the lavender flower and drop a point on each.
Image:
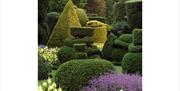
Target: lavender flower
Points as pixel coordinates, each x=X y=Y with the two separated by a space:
x=115 y=82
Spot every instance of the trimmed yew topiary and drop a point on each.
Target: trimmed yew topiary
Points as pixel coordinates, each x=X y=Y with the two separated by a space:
x=67 y=19
x=134 y=13
x=119 y=11
x=80 y=47
x=101 y=19
x=82 y=31
x=52 y=19
x=132 y=63
x=43 y=33
x=118 y=54
x=137 y=36
x=123 y=41
x=75 y=74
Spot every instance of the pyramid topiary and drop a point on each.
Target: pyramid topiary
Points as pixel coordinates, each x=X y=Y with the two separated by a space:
x=83 y=18
x=67 y=19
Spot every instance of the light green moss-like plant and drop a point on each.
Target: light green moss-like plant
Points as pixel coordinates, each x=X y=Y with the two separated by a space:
x=67 y=19
x=83 y=18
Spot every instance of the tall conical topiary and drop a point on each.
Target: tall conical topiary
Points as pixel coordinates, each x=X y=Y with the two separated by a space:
x=67 y=19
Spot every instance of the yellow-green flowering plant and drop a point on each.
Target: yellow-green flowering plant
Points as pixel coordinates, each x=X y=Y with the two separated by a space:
x=49 y=54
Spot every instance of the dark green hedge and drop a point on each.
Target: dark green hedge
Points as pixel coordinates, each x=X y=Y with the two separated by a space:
x=137 y=36
x=132 y=63
x=74 y=74
x=80 y=47
x=134 y=13
x=43 y=33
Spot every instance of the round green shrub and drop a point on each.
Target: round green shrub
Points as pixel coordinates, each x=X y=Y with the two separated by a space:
x=65 y=54
x=118 y=54
x=83 y=18
x=43 y=68
x=137 y=36
x=135 y=48
x=126 y=38
x=74 y=74
x=132 y=63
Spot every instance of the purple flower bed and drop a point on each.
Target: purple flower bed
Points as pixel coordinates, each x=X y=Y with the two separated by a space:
x=115 y=82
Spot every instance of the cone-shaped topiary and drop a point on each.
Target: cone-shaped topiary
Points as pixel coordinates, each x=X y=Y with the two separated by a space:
x=74 y=74
x=67 y=19
x=134 y=13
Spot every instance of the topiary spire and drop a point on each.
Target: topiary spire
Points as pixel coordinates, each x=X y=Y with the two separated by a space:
x=67 y=19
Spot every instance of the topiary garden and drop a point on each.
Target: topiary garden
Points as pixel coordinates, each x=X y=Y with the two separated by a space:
x=90 y=45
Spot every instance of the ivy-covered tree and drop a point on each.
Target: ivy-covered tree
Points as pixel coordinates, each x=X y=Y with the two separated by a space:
x=67 y=19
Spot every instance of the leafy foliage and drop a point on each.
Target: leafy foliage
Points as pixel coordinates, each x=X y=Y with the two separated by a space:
x=137 y=36
x=135 y=48
x=67 y=19
x=83 y=18
x=118 y=54
x=123 y=41
x=42 y=10
x=74 y=74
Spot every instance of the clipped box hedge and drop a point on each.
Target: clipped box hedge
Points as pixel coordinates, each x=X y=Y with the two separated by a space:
x=80 y=47
x=101 y=19
x=134 y=13
x=137 y=36
x=123 y=41
x=75 y=74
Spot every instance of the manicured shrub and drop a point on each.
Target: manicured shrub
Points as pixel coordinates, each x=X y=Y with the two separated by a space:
x=96 y=7
x=61 y=31
x=123 y=41
x=66 y=54
x=118 y=54
x=71 y=41
x=42 y=10
x=82 y=31
x=43 y=33
x=43 y=68
x=137 y=36
x=135 y=48
x=56 y=5
x=115 y=82
x=52 y=19
x=100 y=32
x=74 y=74
x=120 y=28
x=132 y=63
x=101 y=19
x=108 y=46
x=109 y=11
x=92 y=51
x=80 y=47
x=134 y=13
x=83 y=18
x=119 y=11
